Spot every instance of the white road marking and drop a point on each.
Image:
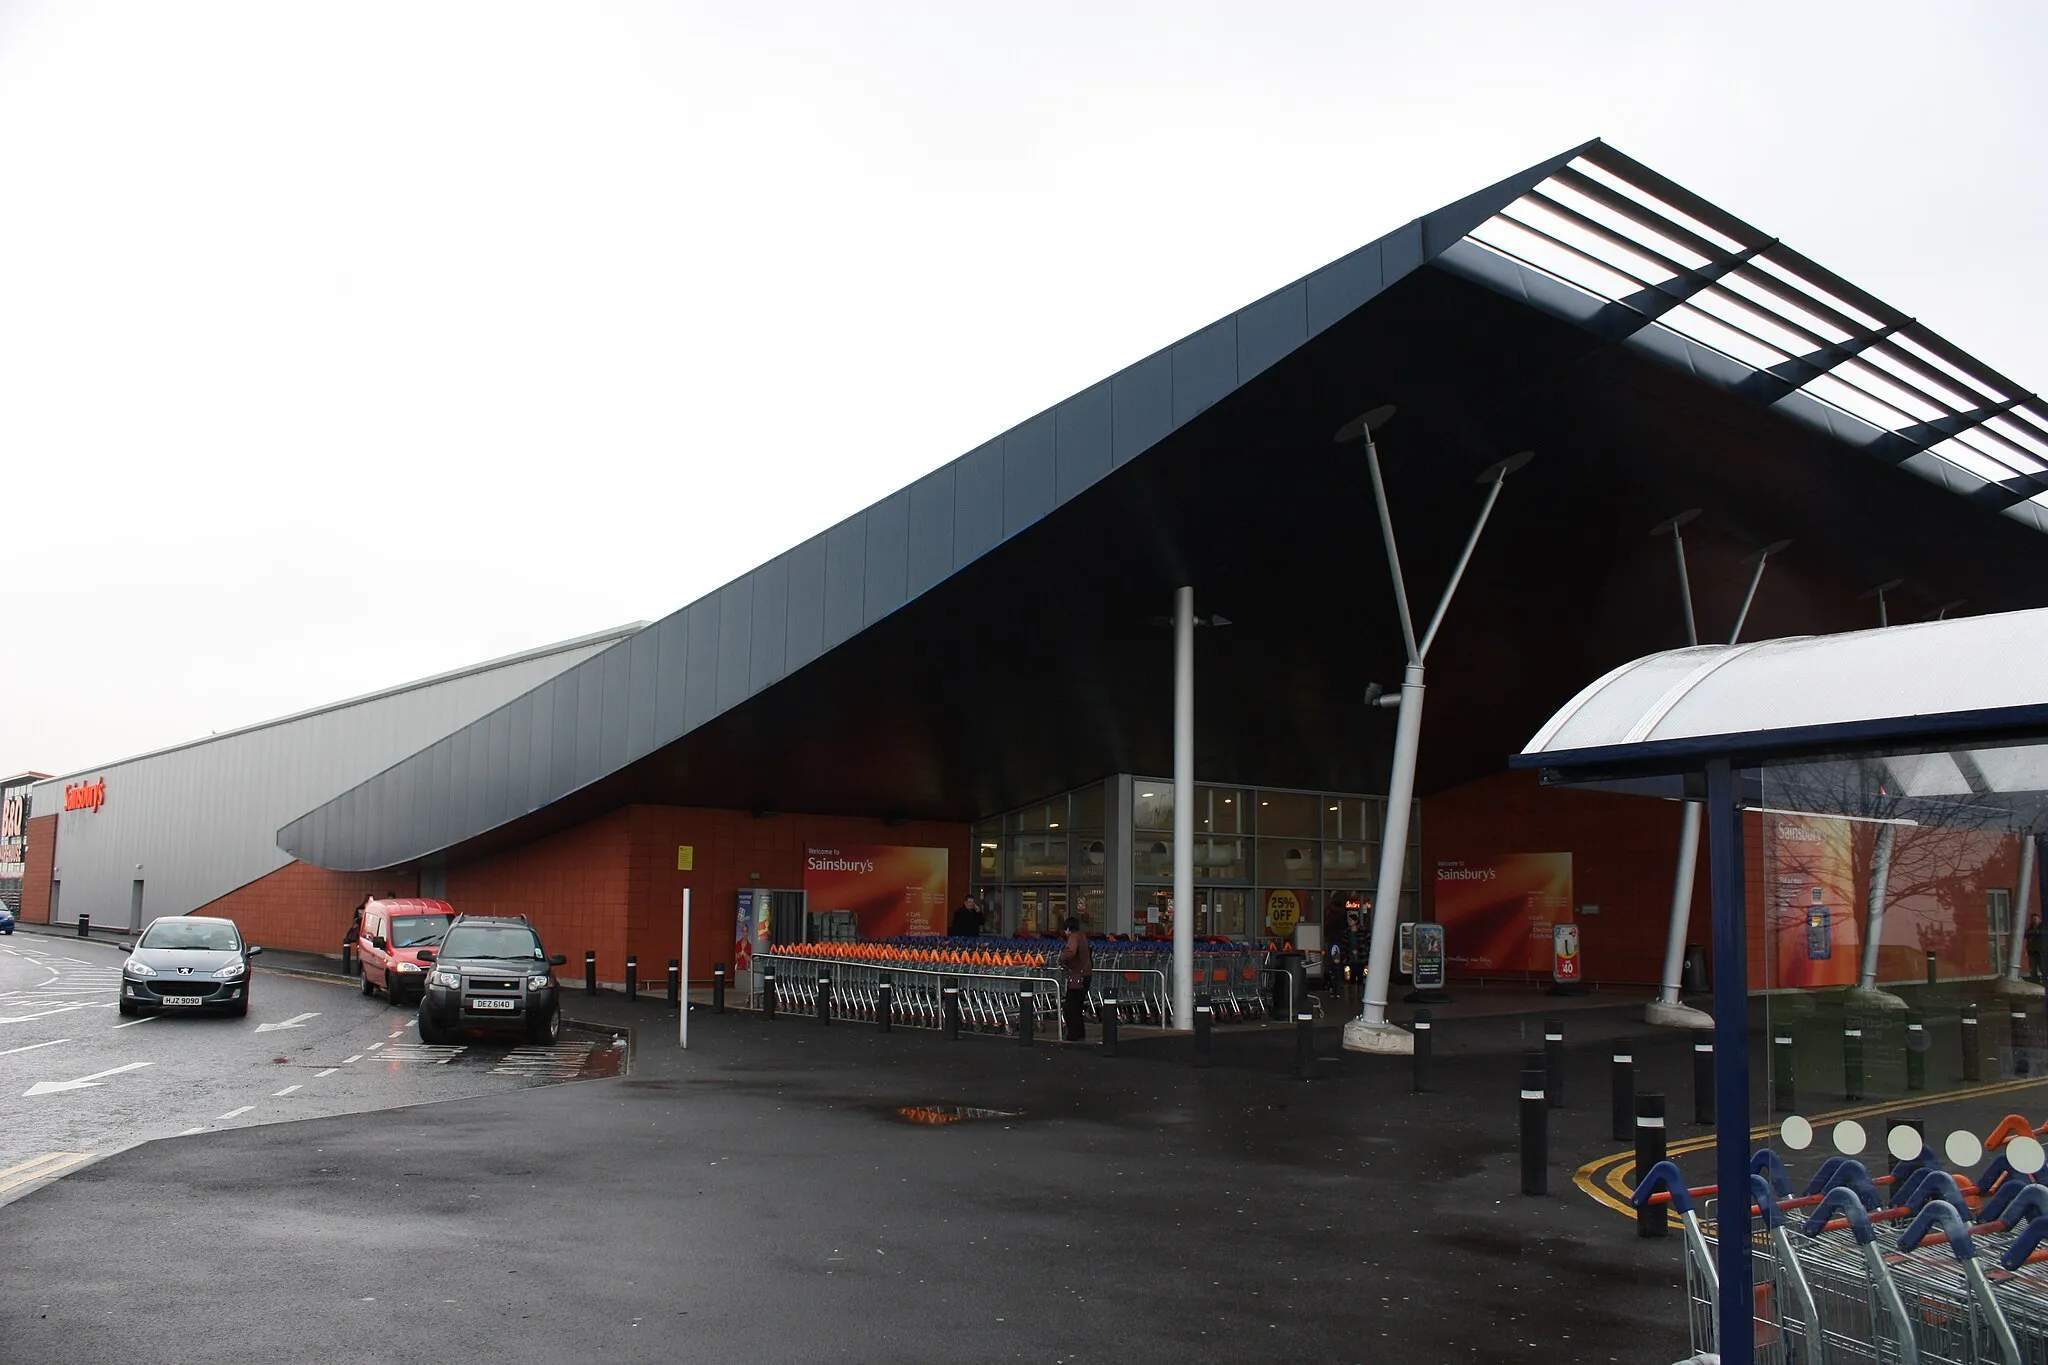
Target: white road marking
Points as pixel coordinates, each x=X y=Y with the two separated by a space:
x=43 y=1014
x=33 y=1046
x=143 y=1020
x=282 y=1093
x=222 y=1118
x=190 y=1131
x=357 y=1058
x=83 y=1082
x=375 y=1046
x=296 y=1021
x=399 y=1034
x=328 y=1072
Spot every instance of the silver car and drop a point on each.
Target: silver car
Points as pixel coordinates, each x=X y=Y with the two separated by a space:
x=191 y=963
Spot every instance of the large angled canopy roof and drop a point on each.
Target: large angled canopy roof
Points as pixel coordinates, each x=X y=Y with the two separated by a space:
x=990 y=633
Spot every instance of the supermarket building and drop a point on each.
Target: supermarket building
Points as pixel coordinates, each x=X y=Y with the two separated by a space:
x=970 y=685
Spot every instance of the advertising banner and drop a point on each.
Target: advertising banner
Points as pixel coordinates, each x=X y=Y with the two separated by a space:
x=1815 y=934
x=751 y=929
x=1283 y=912
x=889 y=890
x=1564 y=953
x=1429 y=956
x=1501 y=909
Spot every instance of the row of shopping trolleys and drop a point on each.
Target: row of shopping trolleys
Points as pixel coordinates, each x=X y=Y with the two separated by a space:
x=1920 y=1266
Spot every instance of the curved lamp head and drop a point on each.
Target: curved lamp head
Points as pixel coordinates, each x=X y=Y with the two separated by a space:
x=1685 y=518
x=1773 y=548
x=1500 y=469
x=1358 y=426
x=1880 y=588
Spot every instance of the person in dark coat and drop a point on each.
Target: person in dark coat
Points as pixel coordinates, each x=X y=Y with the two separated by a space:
x=348 y=939
x=966 y=921
x=1077 y=962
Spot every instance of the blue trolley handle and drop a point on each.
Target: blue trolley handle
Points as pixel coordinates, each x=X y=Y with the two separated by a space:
x=1819 y=1183
x=1913 y=1165
x=2015 y=1204
x=1765 y=1161
x=1766 y=1203
x=2026 y=1244
x=1939 y=1213
x=1844 y=1201
x=1664 y=1175
x=1937 y=1185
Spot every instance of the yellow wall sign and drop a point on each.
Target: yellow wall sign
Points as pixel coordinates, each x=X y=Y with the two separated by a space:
x=1283 y=912
x=686 y=857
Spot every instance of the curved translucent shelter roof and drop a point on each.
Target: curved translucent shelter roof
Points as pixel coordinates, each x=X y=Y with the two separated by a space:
x=1912 y=687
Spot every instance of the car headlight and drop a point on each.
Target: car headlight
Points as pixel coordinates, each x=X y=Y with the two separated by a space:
x=134 y=968
x=231 y=971
x=412 y=967
x=444 y=978
x=537 y=983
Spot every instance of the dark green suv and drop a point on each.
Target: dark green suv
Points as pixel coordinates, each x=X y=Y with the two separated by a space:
x=492 y=973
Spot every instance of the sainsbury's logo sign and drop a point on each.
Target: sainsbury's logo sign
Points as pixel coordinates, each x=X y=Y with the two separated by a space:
x=85 y=795
x=1465 y=874
x=829 y=860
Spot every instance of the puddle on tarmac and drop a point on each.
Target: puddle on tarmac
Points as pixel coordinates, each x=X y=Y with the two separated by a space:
x=939 y=1115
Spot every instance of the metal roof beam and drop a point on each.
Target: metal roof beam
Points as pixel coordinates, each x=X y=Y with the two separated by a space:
x=1768 y=386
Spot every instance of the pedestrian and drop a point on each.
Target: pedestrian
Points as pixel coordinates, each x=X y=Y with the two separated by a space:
x=2033 y=936
x=348 y=940
x=966 y=921
x=1078 y=961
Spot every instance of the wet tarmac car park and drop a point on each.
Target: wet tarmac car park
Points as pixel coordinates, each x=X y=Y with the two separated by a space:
x=78 y=1082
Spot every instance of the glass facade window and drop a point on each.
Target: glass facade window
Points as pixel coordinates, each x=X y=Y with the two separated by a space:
x=1152 y=805
x=1293 y=814
x=1289 y=862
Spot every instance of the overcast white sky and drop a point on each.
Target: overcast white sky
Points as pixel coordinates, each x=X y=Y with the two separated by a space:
x=344 y=343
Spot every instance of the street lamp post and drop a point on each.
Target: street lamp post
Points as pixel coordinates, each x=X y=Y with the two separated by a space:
x=1371 y=1031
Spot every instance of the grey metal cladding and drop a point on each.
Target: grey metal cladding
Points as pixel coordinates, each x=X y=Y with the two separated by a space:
x=928 y=540
x=806 y=630
x=977 y=502
x=1081 y=443
x=497 y=783
x=886 y=574
x=1271 y=328
x=615 y=665
x=735 y=629
x=751 y=633
x=643 y=663
x=769 y=634
x=1141 y=401
x=1027 y=473
x=671 y=637
x=700 y=694
x=846 y=552
x=465 y=758
x=519 y=728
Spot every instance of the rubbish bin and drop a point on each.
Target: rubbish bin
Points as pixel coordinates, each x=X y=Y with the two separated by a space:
x=1694 y=976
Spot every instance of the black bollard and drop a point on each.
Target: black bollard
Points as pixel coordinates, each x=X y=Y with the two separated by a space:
x=1425 y=1042
x=632 y=977
x=675 y=982
x=768 y=992
x=1205 y=1019
x=1107 y=1017
x=885 y=1006
x=718 y=989
x=590 y=973
x=1553 y=1062
x=1305 y=1044
x=1973 y=1050
x=84 y=926
x=1027 y=1014
x=950 y=1011
x=1916 y=1052
x=1650 y=1219
x=1784 y=1093
x=1703 y=1077
x=1535 y=1129
x=1933 y=971
x=1624 y=1116
x=1852 y=1063
x=824 y=997
x=2019 y=1042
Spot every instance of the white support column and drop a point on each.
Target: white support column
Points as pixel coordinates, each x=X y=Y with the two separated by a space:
x=2011 y=981
x=1371 y=1032
x=1873 y=923
x=1667 y=1009
x=1184 y=808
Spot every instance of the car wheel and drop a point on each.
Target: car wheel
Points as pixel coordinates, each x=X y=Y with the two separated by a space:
x=240 y=1009
x=429 y=1031
x=128 y=1006
x=368 y=989
x=547 y=1028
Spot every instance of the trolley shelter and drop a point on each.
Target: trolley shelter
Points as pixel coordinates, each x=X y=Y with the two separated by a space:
x=1861 y=767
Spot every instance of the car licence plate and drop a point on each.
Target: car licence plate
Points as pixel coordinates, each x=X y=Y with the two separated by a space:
x=493 y=1004
x=180 y=999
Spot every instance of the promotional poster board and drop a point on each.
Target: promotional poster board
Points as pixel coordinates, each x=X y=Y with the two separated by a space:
x=1815 y=932
x=1429 y=956
x=1500 y=909
x=889 y=890
x=752 y=927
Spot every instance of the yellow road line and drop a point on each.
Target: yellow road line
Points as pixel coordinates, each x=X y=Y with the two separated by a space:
x=1604 y=1178
x=44 y=1166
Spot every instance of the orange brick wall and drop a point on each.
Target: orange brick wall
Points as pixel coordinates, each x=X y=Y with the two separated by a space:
x=41 y=858
x=305 y=908
x=612 y=885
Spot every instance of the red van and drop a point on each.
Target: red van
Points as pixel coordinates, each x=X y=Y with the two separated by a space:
x=399 y=941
